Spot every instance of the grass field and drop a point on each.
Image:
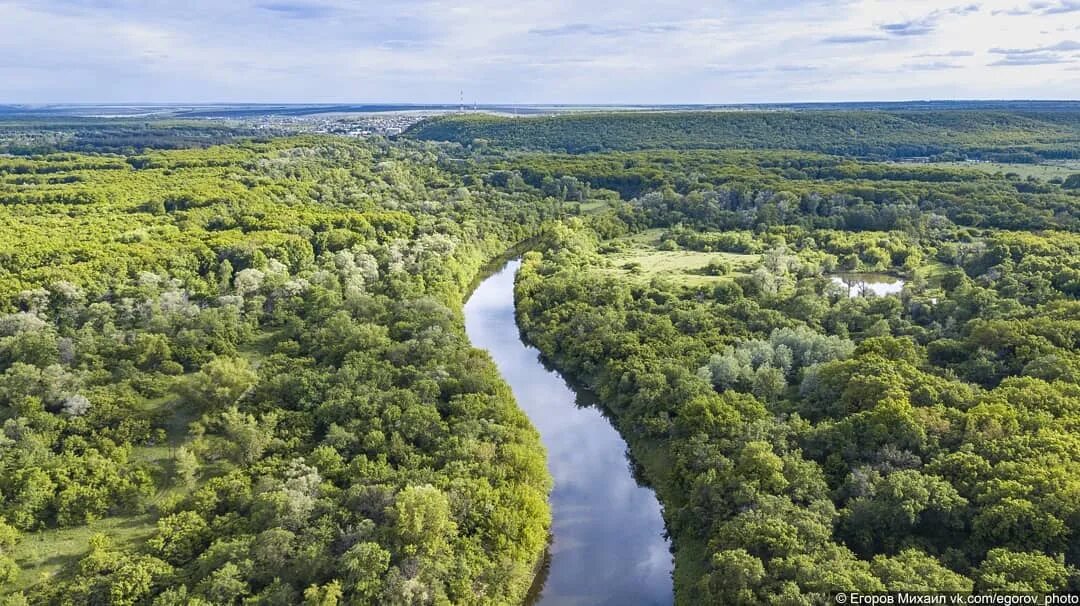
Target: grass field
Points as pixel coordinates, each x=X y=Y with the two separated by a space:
x=639 y=258
x=42 y=555
x=594 y=206
x=1044 y=171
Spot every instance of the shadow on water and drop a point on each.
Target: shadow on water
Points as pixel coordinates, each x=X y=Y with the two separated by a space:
x=608 y=544
x=585 y=398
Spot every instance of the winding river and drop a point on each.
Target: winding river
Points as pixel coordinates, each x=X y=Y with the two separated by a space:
x=607 y=544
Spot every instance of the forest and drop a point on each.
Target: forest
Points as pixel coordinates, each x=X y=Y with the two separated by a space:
x=1001 y=135
x=239 y=374
x=806 y=439
x=27 y=134
x=233 y=369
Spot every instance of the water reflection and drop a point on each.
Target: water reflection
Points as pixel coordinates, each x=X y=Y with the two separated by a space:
x=607 y=545
x=858 y=284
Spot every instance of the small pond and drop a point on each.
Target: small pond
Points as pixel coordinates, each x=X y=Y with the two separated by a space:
x=864 y=283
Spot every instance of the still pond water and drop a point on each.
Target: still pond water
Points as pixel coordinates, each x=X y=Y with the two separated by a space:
x=858 y=284
x=607 y=544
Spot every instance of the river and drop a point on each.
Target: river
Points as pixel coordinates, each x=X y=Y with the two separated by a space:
x=607 y=544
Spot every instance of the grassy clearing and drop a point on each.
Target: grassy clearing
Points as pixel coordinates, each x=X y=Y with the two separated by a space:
x=678 y=262
x=638 y=258
x=647 y=238
x=594 y=206
x=44 y=554
x=932 y=271
x=1043 y=171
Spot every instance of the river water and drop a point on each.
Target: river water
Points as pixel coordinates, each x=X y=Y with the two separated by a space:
x=607 y=544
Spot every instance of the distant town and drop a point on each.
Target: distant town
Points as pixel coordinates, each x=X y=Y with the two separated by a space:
x=385 y=124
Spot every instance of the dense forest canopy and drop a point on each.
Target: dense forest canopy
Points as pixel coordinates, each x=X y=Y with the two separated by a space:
x=804 y=440
x=24 y=135
x=239 y=373
x=1012 y=136
x=236 y=373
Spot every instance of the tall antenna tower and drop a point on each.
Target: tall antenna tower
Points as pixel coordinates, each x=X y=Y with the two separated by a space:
x=461 y=109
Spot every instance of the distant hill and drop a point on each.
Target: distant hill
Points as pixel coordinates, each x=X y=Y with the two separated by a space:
x=1017 y=136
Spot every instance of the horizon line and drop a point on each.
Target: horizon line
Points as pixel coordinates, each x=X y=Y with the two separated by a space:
x=525 y=104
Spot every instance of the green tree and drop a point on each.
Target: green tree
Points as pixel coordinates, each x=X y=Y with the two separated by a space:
x=220 y=382
x=914 y=570
x=365 y=564
x=187 y=466
x=1018 y=571
x=735 y=578
x=226 y=585
x=180 y=537
x=326 y=595
x=423 y=522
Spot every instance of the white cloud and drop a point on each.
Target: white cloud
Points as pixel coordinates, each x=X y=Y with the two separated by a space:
x=609 y=51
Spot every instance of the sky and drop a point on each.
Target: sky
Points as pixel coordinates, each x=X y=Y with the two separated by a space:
x=536 y=51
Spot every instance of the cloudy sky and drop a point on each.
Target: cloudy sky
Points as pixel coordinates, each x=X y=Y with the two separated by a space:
x=536 y=51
